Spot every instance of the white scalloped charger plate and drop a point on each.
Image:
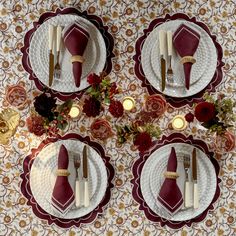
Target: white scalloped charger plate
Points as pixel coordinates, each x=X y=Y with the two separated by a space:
x=152 y=179
x=202 y=71
x=43 y=177
x=95 y=54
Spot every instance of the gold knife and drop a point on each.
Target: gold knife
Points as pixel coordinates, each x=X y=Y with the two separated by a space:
x=51 y=56
x=85 y=176
x=195 y=184
x=162 y=37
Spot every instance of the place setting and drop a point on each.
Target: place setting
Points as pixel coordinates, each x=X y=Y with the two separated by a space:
x=178 y=58
x=64 y=49
x=68 y=181
x=176 y=182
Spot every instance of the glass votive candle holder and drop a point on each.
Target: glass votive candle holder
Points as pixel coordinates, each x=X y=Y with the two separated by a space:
x=75 y=111
x=128 y=103
x=179 y=123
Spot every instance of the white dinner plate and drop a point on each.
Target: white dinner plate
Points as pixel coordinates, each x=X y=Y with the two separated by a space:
x=43 y=177
x=201 y=73
x=152 y=177
x=95 y=54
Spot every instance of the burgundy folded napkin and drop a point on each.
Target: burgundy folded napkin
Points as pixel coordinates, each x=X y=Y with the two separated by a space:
x=75 y=40
x=185 y=41
x=170 y=197
x=63 y=195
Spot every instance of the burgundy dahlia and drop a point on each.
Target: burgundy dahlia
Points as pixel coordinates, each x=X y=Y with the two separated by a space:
x=35 y=125
x=116 y=109
x=44 y=105
x=205 y=111
x=94 y=79
x=143 y=141
x=92 y=107
x=189 y=117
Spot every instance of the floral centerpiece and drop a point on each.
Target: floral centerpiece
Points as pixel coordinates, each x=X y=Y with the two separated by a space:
x=140 y=133
x=216 y=115
x=101 y=93
x=47 y=116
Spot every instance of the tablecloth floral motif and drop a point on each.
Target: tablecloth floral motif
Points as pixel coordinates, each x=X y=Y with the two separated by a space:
x=126 y=22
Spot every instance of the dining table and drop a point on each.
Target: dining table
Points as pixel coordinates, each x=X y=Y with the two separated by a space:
x=124 y=179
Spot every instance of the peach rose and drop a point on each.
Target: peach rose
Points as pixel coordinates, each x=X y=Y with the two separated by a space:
x=101 y=129
x=155 y=105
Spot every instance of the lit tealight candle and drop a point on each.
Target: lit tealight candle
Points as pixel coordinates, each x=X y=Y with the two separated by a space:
x=128 y=103
x=179 y=122
x=74 y=111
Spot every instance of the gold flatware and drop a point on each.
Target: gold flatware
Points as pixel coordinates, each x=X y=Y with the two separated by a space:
x=170 y=78
x=51 y=56
x=85 y=176
x=186 y=183
x=195 y=182
x=162 y=36
x=77 y=165
x=57 y=69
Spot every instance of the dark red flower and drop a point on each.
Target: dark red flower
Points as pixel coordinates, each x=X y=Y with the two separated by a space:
x=116 y=108
x=92 y=107
x=189 y=117
x=35 y=125
x=113 y=89
x=44 y=105
x=94 y=79
x=143 y=141
x=204 y=111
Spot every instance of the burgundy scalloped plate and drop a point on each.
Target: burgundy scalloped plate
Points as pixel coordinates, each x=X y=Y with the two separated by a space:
x=38 y=211
x=178 y=102
x=97 y=21
x=137 y=169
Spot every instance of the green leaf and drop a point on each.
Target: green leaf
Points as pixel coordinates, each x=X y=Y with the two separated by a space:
x=105 y=82
x=107 y=100
x=62 y=126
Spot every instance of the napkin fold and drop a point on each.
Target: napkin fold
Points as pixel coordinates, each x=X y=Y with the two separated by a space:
x=170 y=197
x=63 y=195
x=186 y=41
x=75 y=40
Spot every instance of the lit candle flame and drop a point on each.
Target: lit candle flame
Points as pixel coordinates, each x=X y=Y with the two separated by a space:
x=128 y=103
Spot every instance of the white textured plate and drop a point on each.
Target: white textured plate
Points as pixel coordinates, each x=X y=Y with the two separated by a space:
x=95 y=54
x=43 y=177
x=202 y=71
x=152 y=179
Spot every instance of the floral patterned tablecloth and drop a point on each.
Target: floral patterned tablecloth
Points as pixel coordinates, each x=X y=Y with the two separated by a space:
x=126 y=21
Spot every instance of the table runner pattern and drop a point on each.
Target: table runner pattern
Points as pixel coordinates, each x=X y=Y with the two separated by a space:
x=126 y=22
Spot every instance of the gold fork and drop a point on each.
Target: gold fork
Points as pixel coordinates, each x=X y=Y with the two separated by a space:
x=186 y=183
x=77 y=163
x=57 y=68
x=170 y=78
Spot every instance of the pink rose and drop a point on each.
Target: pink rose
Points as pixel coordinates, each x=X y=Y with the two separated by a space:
x=225 y=142
x=155 y=105
x=101 y=129
x=16 y=95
